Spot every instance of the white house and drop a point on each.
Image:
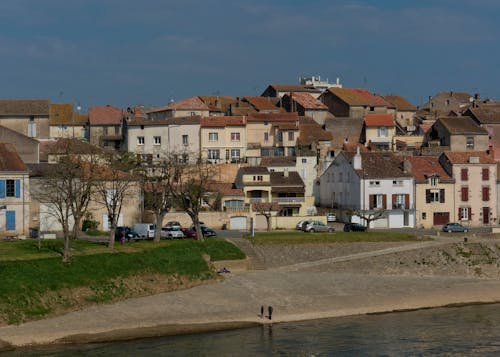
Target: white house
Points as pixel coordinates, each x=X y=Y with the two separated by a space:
x=369 y=184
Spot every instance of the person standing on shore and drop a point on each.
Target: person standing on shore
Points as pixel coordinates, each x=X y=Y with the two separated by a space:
x=270 y=311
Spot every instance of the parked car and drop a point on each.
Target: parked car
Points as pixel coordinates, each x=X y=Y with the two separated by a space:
x=188 y=232
x=354 y=227
x=170 y=233
x=207 y=232
x=331 y=217
x=300 y=225
x=145 y=230
x=126 y=232
x=173 y=224
x=317 y=226
x=454 y=227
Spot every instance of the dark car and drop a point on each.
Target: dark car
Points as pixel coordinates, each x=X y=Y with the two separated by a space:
x=126 y=233
x=207 y=232
x=354 y=227
x=188 y=232
x=454 y=227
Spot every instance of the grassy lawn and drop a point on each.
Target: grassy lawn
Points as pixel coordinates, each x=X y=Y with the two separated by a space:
x=337 y=237
x=35 y=284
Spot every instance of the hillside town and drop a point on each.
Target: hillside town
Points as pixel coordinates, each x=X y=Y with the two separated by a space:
x=296 y=151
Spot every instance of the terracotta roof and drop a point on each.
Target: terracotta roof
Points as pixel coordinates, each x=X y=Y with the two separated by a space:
x=486 y=113
x=286 y=125
x=10 y=159
x=294 y=88
x=462 y=125
x=312 y=132
x=187 y=120
x=379 y=120
x=24 y=107
x=344 y=130
x=424 y=166
x=278 y=161
x=251 y=170
x=463 y=157
x=271 y=117
x=262 y=103
x=307 y=101
x=222 y=121
x=353 y=147
x=426 y=126
x=217 y=102
x=193 y=103
x=105 y=115
x=226 y=189
x=400 y=103
x=278 y=179
x=62 y=114
x=379 y=165
x=359 y=97
x=63 y=146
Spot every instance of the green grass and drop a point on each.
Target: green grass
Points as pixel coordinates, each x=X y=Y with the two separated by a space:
x=338 y=237
x=24 y=281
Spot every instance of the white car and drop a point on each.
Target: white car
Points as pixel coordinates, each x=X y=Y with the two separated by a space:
x=317 y=226
x=170 y=233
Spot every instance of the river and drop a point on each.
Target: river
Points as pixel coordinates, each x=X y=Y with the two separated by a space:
x=469 y=330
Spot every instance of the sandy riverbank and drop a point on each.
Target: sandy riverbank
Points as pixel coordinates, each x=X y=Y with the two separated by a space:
x=319 y=291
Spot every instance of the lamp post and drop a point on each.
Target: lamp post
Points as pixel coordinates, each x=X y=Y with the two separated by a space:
x=78 y=109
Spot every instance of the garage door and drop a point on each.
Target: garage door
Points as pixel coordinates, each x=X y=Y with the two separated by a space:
x=260 y=222
x=441 y=218
x=238 y=222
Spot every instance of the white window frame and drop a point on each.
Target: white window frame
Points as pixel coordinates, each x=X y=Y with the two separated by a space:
x=383 y=132
x=214 y=154
x=156 y=140
x=435 y=196
x=235 y=153
x=236 y=136
x=185 y=140
x=213 y=136
x=140 y=140
x=379 y=203
x=464 y=213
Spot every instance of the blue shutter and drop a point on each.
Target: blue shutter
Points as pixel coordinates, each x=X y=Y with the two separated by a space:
x=2 y=188
x=18 y=188
x=10 y=220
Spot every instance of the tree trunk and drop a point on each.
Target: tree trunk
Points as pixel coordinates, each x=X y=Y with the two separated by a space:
x=199 y=233
x=111 y=242
x=268 y=220
x=76 y=227
x=159 y=222
x=67 y=248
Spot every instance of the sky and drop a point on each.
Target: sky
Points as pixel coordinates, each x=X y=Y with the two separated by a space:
x=129 y=52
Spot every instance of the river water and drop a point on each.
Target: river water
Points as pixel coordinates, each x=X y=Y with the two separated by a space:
x=462 y=331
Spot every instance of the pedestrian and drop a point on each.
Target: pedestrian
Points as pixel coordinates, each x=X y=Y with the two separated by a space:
x=270 y=311
x=261 y=311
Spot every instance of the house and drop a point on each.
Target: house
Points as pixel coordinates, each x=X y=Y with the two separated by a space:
x=105 y=127
x=378 y=131
x=487 y=116
x=183 y=108
x=156 y=139
x=434 y=192
x=404 y=113
x=262 y=104
x=14 y=193
x=475 y=174
x=457 y=134
x=218 y=105
x=360 y=186
x=29 y=117
x=27 y=148
x=354 y=102
x=445 y=103
x=306 y=105
x=279 y=90
x=344 y=130
x=223 y=139
x=52 y=150
x=65 y=123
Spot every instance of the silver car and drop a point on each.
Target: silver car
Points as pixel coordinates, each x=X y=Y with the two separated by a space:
x=171 y=233
x=317 y=226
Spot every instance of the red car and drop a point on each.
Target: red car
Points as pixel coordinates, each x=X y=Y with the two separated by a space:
x=188 y=232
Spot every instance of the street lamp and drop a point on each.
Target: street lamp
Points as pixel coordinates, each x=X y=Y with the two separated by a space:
x=78 y=109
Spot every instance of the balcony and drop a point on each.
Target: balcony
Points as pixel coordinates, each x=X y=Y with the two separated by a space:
x=288 y=199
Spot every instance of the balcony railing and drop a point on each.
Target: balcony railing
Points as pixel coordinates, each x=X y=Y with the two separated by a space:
x=257 y=199
x=288 y=199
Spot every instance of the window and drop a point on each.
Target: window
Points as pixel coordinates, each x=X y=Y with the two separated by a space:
x=258 y=178
x=266 y=136
x=140 y=140
x=397 y=183
x=464 y=213
x=304 y=160
x=434 y=180
x=465 y=193
x=372 y=109
x=213 y=154
x=213 y=136
x=434 y=196
x=280 y=136
x=486 y=193
x=399 y=201
x=382 y=132
x=290 y=136
x=341 y=176
x=377 y=201
x=32 y=128
x=10 y=188
x=156 y=140
x=235 y=136
x=469 y=145
x=464 y=174
x=424 y=216
x=185 y=140
x=485 y=174
x=374 y=183
x=235 y=153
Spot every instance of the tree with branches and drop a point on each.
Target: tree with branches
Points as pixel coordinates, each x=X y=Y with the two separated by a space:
x=368 y=216
x=266 y=209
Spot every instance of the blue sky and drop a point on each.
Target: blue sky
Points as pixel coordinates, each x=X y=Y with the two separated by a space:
x=125 y=52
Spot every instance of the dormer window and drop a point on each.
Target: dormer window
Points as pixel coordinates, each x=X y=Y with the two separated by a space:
x=434 y=180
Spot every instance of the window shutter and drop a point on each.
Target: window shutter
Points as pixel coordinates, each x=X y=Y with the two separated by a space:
x=372 y=201
x=10 y=220
x=384 y=201
x=459 y=216
x=486 y=193
x=469 y=213
x=407 y=201
x=486 y=174
x=394 y=200
x=427 y=196
x=18 y=188
x=464 y=174
x=441 y=195
x=465 y=194
x=2 y=188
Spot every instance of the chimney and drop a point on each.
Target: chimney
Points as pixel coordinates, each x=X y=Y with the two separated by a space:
x=356 y=160
x=285 y=172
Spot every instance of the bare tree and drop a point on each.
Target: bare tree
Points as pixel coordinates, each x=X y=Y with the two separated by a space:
x=190 y=184
x=368 y=216
x=114 y=184
x=266 y=209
